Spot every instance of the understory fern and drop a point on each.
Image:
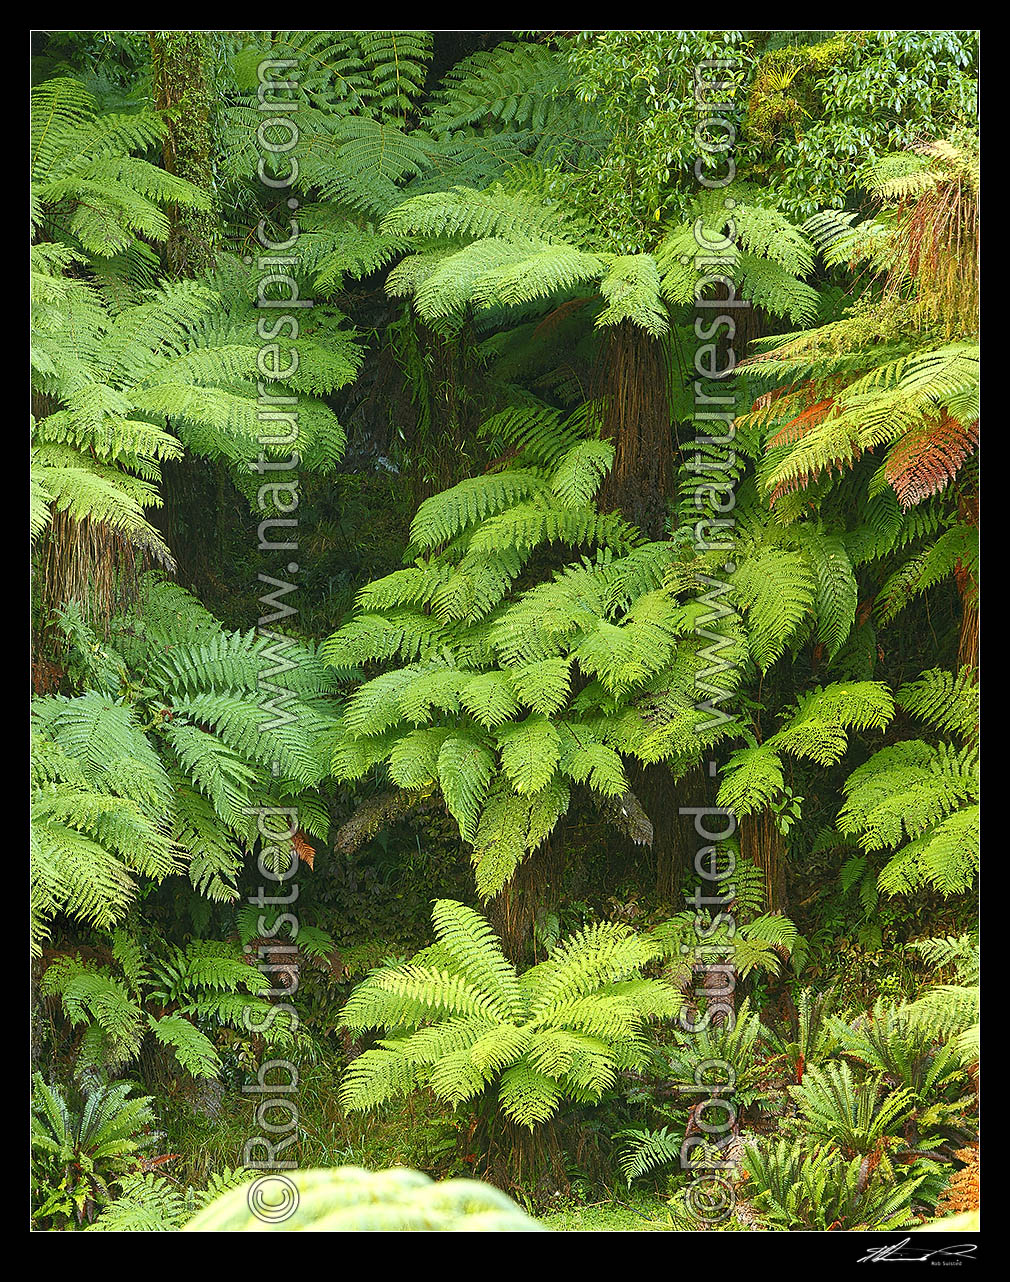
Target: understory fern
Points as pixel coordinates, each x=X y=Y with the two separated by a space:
x=149 y=1203
x=187 y=735
x=173 y=998
x=458 y=1018
x=920 y=799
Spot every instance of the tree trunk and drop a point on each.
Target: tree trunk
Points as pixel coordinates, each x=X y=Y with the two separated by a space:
x=526 y=1164
x=182 y=92
x=513 y=912
x=674 y=838
x=967 y=649
x=632 y=383
x=764 y=846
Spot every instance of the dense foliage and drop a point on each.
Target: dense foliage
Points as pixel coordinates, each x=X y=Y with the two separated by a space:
x=525 y=484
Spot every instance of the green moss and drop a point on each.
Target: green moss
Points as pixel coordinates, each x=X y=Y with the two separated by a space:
x=641 y=1214
x=784 y=91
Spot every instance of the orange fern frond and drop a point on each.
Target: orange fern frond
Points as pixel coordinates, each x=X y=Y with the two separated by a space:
x=924 y=461
x=962 y=1193
x=804 y=422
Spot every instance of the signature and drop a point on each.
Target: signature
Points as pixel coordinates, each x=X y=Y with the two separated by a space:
x=902 y=1252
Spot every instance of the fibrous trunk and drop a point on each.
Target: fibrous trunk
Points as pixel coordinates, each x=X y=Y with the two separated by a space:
x=527 y=896
x=182 y=92
x=632 y=386
x=763 y=845
x=521 y=1162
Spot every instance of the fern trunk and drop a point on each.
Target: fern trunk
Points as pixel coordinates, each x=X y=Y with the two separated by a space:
x=967 y=648
x=527 y=1164
x=527 y=897
x=632 y=382
x=674 y=841
x=182 y=91
x=90 y=564
x=86 y=562
x=763 y=845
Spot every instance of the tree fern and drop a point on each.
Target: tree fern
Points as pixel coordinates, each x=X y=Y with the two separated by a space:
x=89 y=184
x=922 y=796
x=950 y=1010
x=459 y=1017
x=509 y=697
x=120 y=1004
x=171 y=775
